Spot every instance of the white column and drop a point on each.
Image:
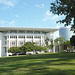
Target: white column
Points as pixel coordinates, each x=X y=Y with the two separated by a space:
x=53 y=44
x=9 y=41
x=43 y=40
x=25 y=38
x=1 y=43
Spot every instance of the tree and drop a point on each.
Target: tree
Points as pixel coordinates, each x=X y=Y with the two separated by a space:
x=24 y=49
x=28 y=46
x=58 y=42
x=39 y=48
x=67 y=46
x=67 y=8
x=14 y=50
x=72 y=40
x=51 y=46
x=46 y=41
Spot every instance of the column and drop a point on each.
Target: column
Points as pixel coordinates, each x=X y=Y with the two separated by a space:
x=8 y=43
x=25 y=38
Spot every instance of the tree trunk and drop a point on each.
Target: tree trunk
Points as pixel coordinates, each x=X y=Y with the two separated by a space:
x=25 y=52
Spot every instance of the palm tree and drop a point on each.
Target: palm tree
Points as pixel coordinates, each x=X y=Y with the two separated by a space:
x=59 y=41
x=46 y=41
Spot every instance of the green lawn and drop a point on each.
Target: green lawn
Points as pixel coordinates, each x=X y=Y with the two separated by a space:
x=40 y=64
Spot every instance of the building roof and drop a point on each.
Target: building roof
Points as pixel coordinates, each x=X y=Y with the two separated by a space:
x=30 y=29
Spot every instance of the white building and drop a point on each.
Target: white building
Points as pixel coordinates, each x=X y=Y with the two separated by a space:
x=17 y=36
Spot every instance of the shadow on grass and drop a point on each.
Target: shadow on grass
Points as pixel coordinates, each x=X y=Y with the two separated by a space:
x=63 y=55
x=41 y=64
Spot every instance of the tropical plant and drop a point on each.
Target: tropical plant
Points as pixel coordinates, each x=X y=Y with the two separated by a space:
x=46 y=41
x=59 y=40
x=51 y=46
x=67 y=46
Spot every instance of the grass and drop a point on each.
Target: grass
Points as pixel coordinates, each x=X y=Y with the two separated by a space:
x=41 y=64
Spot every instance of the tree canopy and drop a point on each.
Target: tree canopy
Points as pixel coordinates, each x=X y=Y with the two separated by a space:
x=28 y=46
x=59 y=40
x=67 y=8
x=14 y=49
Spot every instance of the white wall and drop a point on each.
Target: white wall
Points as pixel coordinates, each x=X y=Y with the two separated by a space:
x=1 y=44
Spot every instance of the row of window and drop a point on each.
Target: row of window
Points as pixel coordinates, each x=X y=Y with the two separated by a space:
x=37 y=32
x=20 y=43
x=24 y=37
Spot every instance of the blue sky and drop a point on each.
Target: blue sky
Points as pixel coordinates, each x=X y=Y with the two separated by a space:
x=27 y=13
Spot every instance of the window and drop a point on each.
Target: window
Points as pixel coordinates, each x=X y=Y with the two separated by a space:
x=5 y=37
x=38 y=43
x=21 y=43
x=37 y=32
x=5 y=49
x=5 y=32
x=37 y=37
x=29 y=31
x=29 y=36
x=13 y=43
x=21 y=31
x=13 y=36
x=21 y=37
x=5 y=42
x=44 y=32
x=13 y=31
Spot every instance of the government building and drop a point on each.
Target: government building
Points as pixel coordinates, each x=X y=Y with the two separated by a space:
x=17 y=36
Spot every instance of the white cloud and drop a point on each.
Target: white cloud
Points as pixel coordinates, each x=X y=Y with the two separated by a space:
x=12 y=23
x=50 y=16
x=40 y=6
x=3 y=22
x=55 y=17
x=45 y=19
x=48 y=13
x=7 y=2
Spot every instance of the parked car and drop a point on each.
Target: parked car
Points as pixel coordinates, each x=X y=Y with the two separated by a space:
x=30 y=53
x=10 y=54
x=21 y=53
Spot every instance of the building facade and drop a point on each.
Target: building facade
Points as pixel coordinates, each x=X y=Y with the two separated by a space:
x=17 y=36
